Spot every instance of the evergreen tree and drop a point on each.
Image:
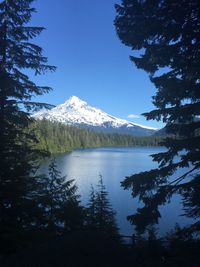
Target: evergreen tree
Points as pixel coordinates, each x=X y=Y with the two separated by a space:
x=91 y=210
x=73 y=213
x=167 y=36
x=62 y=204
x=18 y=187
x=101 y=216
x=54 y=196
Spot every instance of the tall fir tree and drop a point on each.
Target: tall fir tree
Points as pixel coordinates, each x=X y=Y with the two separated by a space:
x=61 y=202
x=91 y=209
x=18 y=187
x=100 y=215
x=165 y=36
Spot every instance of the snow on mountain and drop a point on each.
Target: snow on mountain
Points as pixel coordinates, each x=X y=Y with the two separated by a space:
x=76 y=112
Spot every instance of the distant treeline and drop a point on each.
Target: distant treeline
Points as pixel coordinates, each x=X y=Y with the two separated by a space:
x=58 y=138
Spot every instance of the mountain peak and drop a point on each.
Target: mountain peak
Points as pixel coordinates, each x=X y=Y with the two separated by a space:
x=77 y=112
x=75 y=101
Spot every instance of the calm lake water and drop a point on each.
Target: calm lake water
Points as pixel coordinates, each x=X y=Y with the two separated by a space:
x=114 y=164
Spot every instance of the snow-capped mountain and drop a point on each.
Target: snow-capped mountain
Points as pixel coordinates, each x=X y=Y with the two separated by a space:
x=76 y=112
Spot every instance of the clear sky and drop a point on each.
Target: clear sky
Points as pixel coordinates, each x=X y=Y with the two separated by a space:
x=92 y=63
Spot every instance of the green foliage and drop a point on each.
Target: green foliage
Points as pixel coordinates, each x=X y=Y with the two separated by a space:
x=167 y=36
x=58 y=138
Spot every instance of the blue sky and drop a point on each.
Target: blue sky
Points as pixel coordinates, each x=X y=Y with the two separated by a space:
x=92 y=63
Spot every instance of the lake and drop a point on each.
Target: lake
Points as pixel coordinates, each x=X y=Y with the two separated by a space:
x=114 y=164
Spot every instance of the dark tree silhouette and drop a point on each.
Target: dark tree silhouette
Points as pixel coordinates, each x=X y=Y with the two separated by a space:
x=165 y=36
x=100 y=214
x=91 y=209
x=61 y=202
x=18 y=187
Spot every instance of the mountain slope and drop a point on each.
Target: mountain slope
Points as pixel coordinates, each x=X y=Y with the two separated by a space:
x=76 y=112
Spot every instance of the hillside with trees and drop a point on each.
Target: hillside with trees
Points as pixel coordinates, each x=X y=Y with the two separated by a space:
x=58 y=138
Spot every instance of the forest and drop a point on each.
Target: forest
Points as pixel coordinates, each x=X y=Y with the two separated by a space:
x=42 y=220
x=55 y=137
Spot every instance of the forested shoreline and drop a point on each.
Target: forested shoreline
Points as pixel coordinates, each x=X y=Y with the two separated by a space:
x=55 y=137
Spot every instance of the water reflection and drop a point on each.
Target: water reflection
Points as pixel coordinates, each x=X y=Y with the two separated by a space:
x=114 y=164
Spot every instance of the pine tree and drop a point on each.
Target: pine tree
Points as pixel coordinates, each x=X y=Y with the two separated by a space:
x=167 y=36
x=62 y=204
x=101 y=215
x=18 y=186
x=91 y=210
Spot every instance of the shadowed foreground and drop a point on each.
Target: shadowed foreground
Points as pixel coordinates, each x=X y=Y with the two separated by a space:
x=89 y=248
